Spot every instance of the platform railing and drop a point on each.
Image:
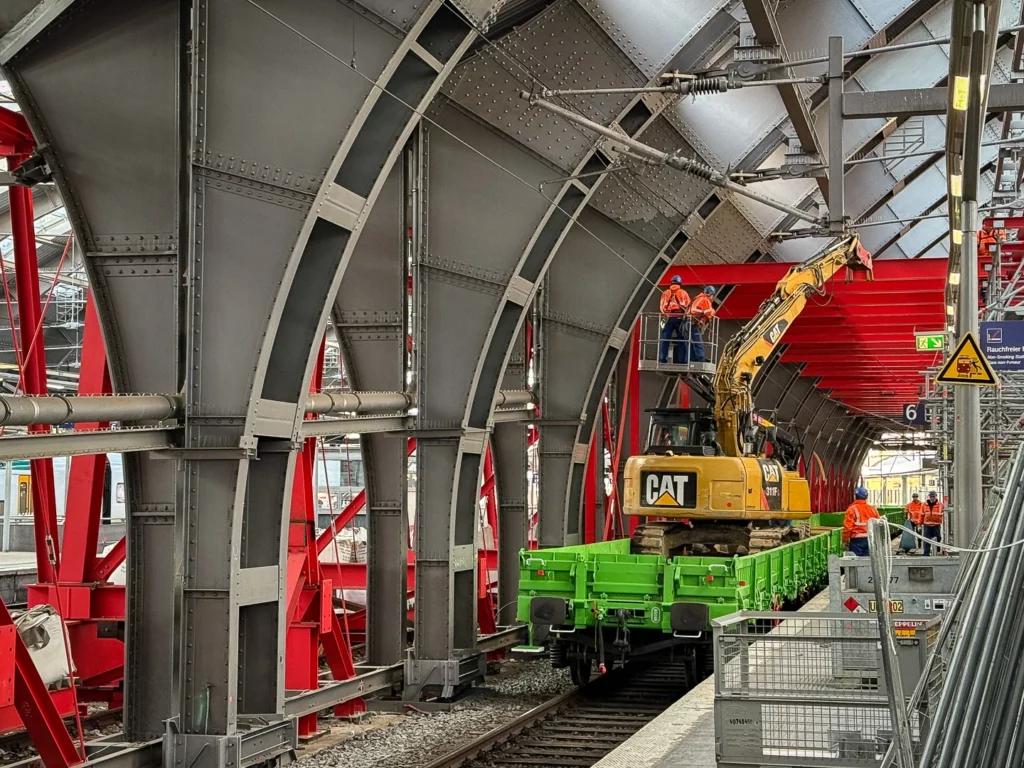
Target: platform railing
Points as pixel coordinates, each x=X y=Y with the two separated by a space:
x=688 y=346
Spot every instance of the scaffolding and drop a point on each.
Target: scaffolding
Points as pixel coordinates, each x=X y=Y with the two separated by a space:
x=1002 y=407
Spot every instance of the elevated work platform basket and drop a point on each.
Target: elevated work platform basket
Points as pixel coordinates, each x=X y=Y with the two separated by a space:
x=678 y=345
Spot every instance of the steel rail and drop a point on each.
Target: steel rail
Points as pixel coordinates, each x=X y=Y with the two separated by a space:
x=503 y=733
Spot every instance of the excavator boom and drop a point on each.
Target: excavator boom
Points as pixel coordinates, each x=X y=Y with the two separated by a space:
x=746 y=352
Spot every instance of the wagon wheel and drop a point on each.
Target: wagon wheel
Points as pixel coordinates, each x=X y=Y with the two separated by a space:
x=579 y=671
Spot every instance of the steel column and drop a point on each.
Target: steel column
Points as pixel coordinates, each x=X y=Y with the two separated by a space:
x=836 y=153
x=510 y=457
x=85 y=485
x=509 y=443
x=33 y=373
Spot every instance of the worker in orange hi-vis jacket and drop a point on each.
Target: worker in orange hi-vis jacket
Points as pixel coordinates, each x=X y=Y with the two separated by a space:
x=701 y=312
x=987 y=237
x=675 y=302
x=855 y=524
x=915 y=510
x=932 y=522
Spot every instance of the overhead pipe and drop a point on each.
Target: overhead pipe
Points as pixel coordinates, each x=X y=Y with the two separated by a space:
x=514 y=398
x=23 y=411
x=57 y=409
x=358 y=402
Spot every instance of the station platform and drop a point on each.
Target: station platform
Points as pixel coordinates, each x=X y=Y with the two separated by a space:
x=17 y=569
x=683 y=736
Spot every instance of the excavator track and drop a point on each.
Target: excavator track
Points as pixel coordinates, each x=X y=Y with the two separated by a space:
x=671 y=539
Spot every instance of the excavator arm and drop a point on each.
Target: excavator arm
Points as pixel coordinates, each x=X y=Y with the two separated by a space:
x=746 y=352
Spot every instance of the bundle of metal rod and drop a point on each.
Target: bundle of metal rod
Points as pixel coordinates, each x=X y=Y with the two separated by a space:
x=977 y=718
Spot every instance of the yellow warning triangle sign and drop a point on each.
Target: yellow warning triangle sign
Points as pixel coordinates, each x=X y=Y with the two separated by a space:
x=665 y=500
x=967 y=365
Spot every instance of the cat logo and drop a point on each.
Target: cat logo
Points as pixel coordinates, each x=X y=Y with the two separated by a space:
x=773 y=334
x=771 y=484
x=669 y=489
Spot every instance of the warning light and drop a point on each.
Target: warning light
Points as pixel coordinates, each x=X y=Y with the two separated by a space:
x=710 y=577
x=540 y=573
x=743 y=583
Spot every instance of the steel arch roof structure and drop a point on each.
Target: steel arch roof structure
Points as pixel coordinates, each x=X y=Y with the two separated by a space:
x=241 y=172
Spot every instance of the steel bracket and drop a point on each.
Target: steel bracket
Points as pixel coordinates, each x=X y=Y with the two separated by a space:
x=447 y=674
x=260 y=740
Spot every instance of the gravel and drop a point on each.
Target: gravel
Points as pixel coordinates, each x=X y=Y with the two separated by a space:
x=412 y=740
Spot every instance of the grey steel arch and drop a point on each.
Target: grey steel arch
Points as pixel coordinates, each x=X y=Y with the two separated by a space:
x=370 y=322
x=284 y=203
x=445 y=406
x=569 y=151
x=816 y=427
x=463 y=275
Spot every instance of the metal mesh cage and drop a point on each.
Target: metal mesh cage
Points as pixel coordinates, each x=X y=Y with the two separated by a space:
x=811 y=691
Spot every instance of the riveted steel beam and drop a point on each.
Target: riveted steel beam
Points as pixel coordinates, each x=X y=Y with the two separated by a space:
x=1003 y=97
x=30 y=26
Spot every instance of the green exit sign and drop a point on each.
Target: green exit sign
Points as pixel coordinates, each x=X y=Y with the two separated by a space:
x=929 y=341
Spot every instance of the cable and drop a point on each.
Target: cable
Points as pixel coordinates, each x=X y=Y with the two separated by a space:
x=950 y=547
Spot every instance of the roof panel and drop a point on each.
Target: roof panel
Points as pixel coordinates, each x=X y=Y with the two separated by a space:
x=919 y=194
x=916 y=68
x=878 y=12
x=653 y=37
x=731 y=124
x=921 y=236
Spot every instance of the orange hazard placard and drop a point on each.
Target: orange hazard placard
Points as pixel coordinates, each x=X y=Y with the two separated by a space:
x=967 y=365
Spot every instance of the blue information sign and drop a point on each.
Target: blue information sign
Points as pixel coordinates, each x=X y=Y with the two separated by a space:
x=1003 y=344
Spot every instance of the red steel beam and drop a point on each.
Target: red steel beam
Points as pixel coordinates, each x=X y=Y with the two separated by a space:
x=838 y=355
x=33 y=378
x=84 y=504
x=111 y=561
x=769 y=273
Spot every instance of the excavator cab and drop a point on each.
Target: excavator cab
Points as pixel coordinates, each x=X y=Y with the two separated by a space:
x=682 y=432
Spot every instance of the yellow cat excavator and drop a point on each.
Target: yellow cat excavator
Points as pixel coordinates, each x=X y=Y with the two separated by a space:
x=709 y=473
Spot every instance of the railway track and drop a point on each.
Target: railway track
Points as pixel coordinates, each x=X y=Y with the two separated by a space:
x=16 y=746
x=578 y=728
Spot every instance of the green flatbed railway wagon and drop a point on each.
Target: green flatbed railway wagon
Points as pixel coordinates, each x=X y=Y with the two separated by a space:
x=598 y=602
